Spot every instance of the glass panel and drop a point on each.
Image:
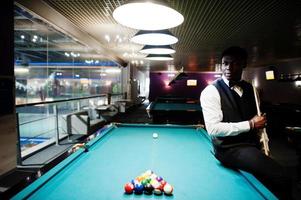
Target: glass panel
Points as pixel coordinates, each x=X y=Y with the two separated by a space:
x=116 y=98
x=50 y=65
x=36 y=127
x=37 y=124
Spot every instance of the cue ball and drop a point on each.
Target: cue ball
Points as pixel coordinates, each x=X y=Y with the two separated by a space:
x=155 y=135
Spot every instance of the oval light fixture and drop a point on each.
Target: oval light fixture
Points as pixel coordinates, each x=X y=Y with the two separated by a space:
x=160 y=37
x=157 y=49
x=147 y=16
x=159 y=57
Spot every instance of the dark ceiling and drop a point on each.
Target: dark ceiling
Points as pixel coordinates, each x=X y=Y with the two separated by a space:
x=269 y=29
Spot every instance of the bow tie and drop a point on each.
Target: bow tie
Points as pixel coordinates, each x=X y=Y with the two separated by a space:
x=235 y=86
x=233 y=83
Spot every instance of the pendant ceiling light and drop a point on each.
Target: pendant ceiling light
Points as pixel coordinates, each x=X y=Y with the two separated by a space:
x=160 y=37
x=159 y=57
x=147 y=16
x=157 y=49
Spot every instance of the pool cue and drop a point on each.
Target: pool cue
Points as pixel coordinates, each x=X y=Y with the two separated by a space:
x=262 y=132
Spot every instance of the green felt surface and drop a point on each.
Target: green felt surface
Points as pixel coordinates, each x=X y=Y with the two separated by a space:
x=176 y=106
x=181 y=155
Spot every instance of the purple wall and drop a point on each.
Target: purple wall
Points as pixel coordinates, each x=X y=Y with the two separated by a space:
x=159 y=85
x=271 y=91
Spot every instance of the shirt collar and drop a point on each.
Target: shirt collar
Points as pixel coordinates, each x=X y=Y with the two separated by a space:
x=225 y=80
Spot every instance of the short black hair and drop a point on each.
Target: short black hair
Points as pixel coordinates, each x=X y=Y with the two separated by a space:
x=236 y=51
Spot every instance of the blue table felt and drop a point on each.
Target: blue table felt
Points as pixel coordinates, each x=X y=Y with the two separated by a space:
x=182 y=155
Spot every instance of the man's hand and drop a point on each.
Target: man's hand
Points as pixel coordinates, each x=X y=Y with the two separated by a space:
x=258 y=122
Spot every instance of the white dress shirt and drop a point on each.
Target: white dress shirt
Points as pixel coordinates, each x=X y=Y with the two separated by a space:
x=213 y=115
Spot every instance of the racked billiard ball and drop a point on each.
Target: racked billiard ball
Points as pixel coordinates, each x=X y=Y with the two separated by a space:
x=129 y=188
x=163 y=183
x=153 y=176
x=155 y=183
x=139 y=178
x=148 y=172
x=148 y=188
x=159 y=178
x=168 y=189
x=138 y=188
x=144 y=182
x=157 y=191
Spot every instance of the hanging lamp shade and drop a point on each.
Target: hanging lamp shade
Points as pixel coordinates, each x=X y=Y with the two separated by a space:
x=159 y=57
x=157 y=49
x=298 y=78
x=298 y=81
x=160 y=37
x=147 y=16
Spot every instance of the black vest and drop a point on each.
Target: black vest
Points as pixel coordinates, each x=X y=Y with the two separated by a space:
x=236 y=109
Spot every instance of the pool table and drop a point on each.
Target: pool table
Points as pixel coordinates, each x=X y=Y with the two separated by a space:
x=175 y=112
x=182 y=155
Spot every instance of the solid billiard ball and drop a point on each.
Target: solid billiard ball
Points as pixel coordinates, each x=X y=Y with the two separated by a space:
x=159 y=178
x=148 y=188
x=129 y=188
x=139 y=178
x=168 y=189
x=155 y=135
x=138 y=188
x=148 y=180
x=144 y=182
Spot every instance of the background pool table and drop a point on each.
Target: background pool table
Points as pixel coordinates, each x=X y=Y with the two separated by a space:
x=175 y=112
x=182 y=155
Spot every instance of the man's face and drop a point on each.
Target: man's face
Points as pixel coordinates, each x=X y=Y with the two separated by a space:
x=232 y=67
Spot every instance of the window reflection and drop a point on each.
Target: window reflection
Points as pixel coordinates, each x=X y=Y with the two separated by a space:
x=50 y=65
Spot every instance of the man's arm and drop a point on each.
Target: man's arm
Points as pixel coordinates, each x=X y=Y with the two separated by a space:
x=211 y=107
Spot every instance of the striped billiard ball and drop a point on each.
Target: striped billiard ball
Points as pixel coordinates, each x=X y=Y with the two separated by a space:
x=168 y=189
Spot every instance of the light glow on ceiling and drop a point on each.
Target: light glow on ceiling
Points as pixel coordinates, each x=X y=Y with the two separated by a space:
x=147 y=16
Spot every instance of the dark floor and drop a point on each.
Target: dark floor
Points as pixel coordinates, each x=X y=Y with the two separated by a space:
x=285 y=154
x=281 y=150
x=136 y=114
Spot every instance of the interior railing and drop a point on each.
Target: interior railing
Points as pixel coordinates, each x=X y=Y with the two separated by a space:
x=43 y=124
